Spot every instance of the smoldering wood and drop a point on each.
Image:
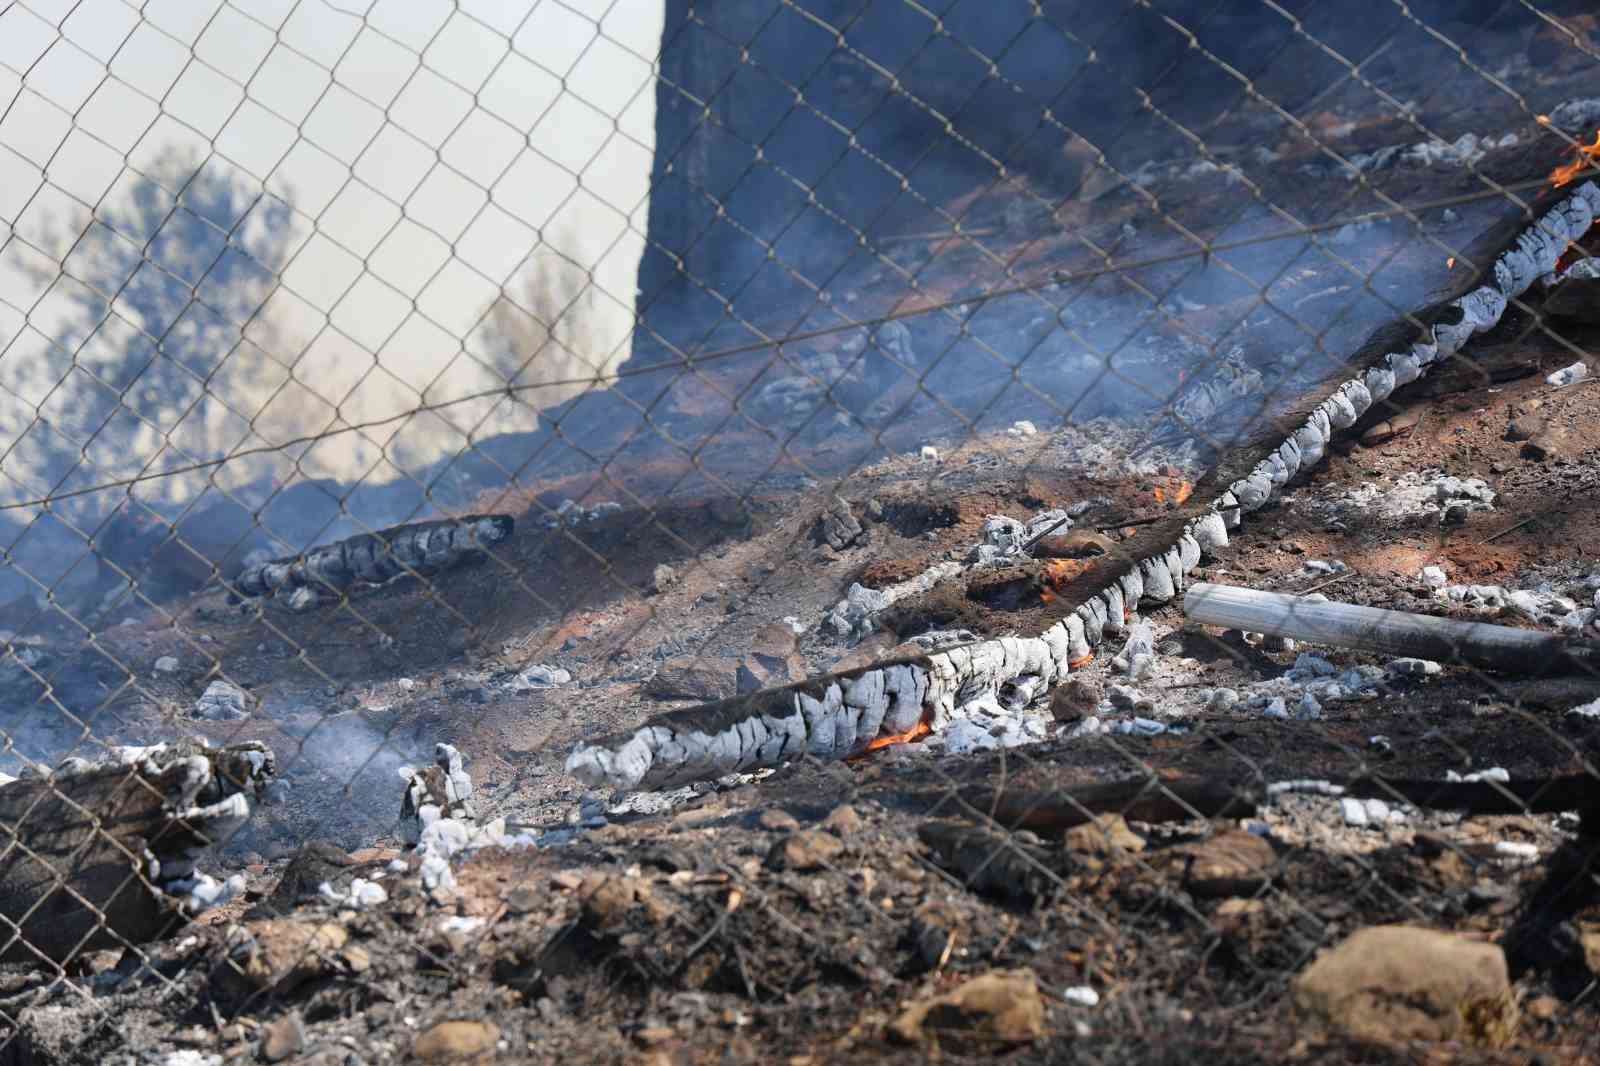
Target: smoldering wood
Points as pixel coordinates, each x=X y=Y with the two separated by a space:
x=764 y=727
x=1397 y=633
x=82 y=854
x=421 y=548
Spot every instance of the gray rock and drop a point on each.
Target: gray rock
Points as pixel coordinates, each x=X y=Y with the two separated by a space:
x=221 y=702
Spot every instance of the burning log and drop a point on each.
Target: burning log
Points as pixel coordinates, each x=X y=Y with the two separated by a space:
x=103 y=855
x=421 y=548
x=846 y=714
x=1397 y=633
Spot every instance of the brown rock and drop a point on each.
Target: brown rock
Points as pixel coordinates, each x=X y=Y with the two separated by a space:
x=1106 y=837
x=1400 y=425
x=1589 y=939
x=1003 y=1007
x=1075 y=699
x=777 y=820
x=1539 y=448
x=1525 y=428
x=776 y=641
x=279 y=954
x=809 y=849
x=457 y=1041
x=843 y=821
x=694 y=677
x=282 y=1038
x=1397 y=982
x=1232 y=863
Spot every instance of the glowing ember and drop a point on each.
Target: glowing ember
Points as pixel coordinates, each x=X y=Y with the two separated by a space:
x=1082 y=660
x=1450 y=262
x=922 y=728
x=1588 y=155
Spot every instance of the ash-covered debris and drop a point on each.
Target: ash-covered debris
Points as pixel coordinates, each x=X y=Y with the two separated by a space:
x=853 y=617
x=423 y=548
x=438 y=819
x=570 y=512
x=101 y=864
x=1542 y=604
x=1416 y=494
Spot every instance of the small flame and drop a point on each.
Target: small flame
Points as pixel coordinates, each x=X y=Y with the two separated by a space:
x=1080 y=661
x=1179 y=494
x=1543 y=120
x=1450 y=262
x=921 y=729
x=1588 y=155
x=1044 y=595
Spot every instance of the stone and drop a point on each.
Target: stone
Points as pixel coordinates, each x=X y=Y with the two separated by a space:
x=167 y=664
x=838 y=527
x=277 y=955
x=1525 y=428
x=1396 y=982
x=221 y=702
x=1538 y=449
x=664 y=578
x=1001 y=1007
x=1106 y=837
x=282 y=1038
x=1075 y=698
x=809 y=849
x=694 y=677
x=1231 y=863
x=843 y=821
x=540 y=675
x=777 y=820
x=455 y=1041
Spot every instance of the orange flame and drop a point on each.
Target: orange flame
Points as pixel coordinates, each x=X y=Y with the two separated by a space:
x=1082 y=660
x=922 y=728
x=1179 y=494
x=1588 y=155
x=1450 y=262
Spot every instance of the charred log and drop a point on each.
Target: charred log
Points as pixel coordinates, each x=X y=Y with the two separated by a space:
x=422 y=548
x=102 y=857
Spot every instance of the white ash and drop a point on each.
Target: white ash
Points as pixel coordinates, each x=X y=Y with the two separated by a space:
x=853 y=617
x=361 y=895
x=1580 y=115
x=1494 y=773
x=1517 y=850
x=1137 y=657
x=1434 y=577
x=1590 y=710
x=985 y=725
x=1324 y=566
x=1541 y=605
x=1415 y=494
x=572 y=513
x=1569 y=375
x=541 y=675
x=1022 y=428
x=166 y=664
x=1373 y=813
x=1414 y=668
x=929 y=453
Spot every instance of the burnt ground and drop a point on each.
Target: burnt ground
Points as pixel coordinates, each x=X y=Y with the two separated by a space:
x=792 y=916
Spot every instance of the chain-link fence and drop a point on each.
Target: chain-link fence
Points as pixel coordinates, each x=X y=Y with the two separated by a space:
x=797 y=528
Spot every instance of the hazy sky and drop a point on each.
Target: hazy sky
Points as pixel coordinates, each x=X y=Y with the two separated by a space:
x=312 y=205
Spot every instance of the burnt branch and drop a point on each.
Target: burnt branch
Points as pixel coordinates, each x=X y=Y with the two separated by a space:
x=421 y=548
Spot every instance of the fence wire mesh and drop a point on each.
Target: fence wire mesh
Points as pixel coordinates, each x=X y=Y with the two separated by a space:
x=799 y=527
